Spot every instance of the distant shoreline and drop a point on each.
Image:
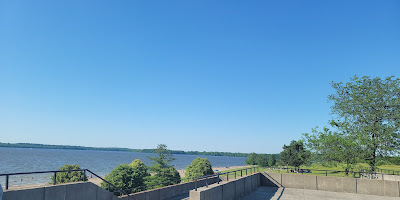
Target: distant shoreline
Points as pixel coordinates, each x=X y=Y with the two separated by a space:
x=47 y=146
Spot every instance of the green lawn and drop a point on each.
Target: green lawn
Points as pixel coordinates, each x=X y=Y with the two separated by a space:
x=316 y=169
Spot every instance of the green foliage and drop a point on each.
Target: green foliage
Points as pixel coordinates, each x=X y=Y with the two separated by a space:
x=262 y=160
x=199 y=167
x=66 y=177
x=126 y=177
x=272 y=161
x=164 y=173
x=330 y=147
x=295 y=154
x=251 y=159
x=368 y=113
x=258 y=159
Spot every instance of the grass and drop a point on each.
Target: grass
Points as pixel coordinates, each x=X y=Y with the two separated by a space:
x=317 y=169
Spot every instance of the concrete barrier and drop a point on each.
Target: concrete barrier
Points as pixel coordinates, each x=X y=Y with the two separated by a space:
x=90 y=191
x=235 y=189
x=293 y=181
x=334 y=184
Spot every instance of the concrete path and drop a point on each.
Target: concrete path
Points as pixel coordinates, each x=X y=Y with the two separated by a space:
x=272 y=193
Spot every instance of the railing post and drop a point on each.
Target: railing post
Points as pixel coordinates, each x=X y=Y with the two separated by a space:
x=195 y=185
x=7 y=177
x=241 y=173
x=246 y=172
x=227 y=176
x=84 y=175
x=235 y=174
x=206 y=181
x=55 y=178
x=326 y=172
x=218 y=178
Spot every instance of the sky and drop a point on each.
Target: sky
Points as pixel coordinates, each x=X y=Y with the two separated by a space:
x=235 y=76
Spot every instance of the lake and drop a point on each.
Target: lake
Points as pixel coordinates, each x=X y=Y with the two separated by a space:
x=13 y=160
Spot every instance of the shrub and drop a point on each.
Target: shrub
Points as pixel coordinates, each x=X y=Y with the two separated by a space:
x=71 y=176
x=126 y=177
x=199 y=167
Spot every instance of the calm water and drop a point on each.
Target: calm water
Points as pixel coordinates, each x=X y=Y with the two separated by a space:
x=13 y=160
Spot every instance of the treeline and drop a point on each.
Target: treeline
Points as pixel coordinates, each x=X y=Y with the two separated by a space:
x=263 y=160
x=48 y=146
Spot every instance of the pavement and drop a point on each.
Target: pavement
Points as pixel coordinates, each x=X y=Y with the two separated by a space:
x=274 y=193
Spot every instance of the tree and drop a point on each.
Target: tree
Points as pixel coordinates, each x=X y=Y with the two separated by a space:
x=199 y=167
x=272 y=161
x=262 y=160
x=368 y=111
x=126 y=177
x=295 y=154
x=164 y=173
x=251 y=159
x=71 y=176
x=331 y=146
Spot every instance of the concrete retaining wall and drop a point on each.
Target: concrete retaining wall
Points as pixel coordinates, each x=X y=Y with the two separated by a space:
x=168 y=191
x=334 y=184
x=90 y=191
x=70 y=191
x=234 y=189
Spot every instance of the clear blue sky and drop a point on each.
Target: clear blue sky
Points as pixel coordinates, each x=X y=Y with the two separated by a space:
x=238 y=76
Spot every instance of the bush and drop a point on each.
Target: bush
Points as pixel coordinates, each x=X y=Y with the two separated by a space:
x=126 y=177
x=66 y=177
x=199 y=167
x=164 y=177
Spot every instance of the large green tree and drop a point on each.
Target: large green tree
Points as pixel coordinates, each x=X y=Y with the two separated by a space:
x=127 y=176
x=367 y=111
x=199 y=167
x=295 y=154
x=164 y=173
x=330 y=146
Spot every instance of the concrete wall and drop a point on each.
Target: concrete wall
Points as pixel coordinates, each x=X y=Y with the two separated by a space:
x=71 y=191
x=234 y=189
x=169 y=191
x=90 y=191
x=334 y=184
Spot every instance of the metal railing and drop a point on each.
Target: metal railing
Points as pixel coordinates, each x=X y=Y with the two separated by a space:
x=234 y=174
x=387 y=171
x=82 y=178
x=356 y=174
x=118 y=191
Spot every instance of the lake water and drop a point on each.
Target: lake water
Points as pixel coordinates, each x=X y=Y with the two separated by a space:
x=13 y=160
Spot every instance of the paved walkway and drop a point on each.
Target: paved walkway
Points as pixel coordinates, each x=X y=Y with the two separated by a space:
x=272 y=193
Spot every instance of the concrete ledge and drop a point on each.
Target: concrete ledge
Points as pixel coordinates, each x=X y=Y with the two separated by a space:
x=371 y=187
x=31 y=194
x=229 y=190
x=56 y=192
x=310 y=183
x=391 y=188
x=333 y=184
x=239 y=188
x=293 y=181
x=350 y=185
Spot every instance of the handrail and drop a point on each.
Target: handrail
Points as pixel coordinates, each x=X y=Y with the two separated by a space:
x=55 y=176
x=253 y=169
x=121 y=191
